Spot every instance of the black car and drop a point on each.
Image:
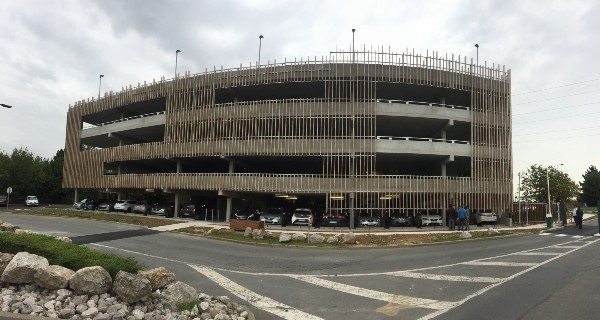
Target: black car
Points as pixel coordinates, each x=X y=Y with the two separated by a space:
x=335 y=219
x=91 y=204
x=401 y=220
x=247 y=214
x=191 y=210
x=3 y=201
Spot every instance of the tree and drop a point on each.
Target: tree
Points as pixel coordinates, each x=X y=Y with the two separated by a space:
x=534 y=186
x=590 y=187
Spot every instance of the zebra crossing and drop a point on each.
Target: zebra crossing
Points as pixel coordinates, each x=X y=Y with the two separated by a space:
x=400 y=304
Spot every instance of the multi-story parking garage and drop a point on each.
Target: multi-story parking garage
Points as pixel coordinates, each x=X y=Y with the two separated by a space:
x=364 y=132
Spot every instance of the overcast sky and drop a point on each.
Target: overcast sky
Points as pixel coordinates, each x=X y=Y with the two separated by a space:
x=52 y=53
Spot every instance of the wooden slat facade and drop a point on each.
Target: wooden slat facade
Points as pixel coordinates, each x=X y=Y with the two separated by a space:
x=340 y=128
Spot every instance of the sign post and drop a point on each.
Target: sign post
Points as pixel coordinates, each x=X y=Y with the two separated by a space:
x=8 y=192
x=598 y=209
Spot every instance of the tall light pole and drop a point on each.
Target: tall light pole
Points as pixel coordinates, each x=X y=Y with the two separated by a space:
x=259 y=47
x=477 y=57
x=176 y=53
x=519 y=174
x=100 y=85
x=353 y=30
x=549 y=212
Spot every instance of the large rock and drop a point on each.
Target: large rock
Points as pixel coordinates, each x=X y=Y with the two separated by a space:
x=316 y=238
x=259 y=234
x=131 y=288
x=491 y=231
x=248 y=232
x=465 y=235
x=299 y=237
x=53 y=277
x=8 y=227
x=158 y=277
x=91 y=280
x=23 y=231
x=4 y=260
x=23 y=267
x=178 y=292
x=285 y=237
x=333 y=239
x=349 y=238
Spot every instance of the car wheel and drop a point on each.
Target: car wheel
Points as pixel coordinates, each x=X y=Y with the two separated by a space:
x=128 y=211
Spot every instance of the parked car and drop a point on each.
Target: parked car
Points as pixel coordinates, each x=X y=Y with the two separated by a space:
x=401 y=220
x=3 y=201
x=430 y=218
x=77 y=205
x=272 y=216
x=91 y=204
x=243 y=214
x=301 y=216
x=31 y=201
x=483 y=216
x=142 y=206
x=107 y=205
x=125 y=205
x=369 y=220
x=191 y=210
x=335 y=219
x=163 y=208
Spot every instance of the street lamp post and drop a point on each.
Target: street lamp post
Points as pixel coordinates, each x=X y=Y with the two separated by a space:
x=519 y=174
x=259 y=47
x=477 y=57
x=176 y=53
x=549 y=212
x=100 y=85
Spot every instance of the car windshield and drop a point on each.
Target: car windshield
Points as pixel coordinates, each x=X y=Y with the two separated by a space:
x=302 y=212
x=272 y=211
x=31 y=198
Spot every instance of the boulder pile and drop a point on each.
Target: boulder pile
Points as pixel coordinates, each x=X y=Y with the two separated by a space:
x=30 y=285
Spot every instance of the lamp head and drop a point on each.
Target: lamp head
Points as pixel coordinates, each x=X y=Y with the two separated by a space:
x=177 y=51
x=476 y=45
x=261 y=36
x=101 y=76
x=353 y=30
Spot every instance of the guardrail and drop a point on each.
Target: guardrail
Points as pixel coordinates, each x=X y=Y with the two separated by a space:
x=124 y=119
x=431 y=104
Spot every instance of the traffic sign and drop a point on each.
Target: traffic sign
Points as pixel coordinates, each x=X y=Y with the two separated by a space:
x=9 y=190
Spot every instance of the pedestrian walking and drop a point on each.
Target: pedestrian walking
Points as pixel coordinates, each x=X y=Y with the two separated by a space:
x=451 y=217
x=462 y=217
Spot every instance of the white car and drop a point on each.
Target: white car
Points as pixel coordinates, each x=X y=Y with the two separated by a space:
x=125 y=205
x=485 y=216
x=431 y=220
x=32 y=201
x=302 y=216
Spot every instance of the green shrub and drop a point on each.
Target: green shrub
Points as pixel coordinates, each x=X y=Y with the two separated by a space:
x=66 y=254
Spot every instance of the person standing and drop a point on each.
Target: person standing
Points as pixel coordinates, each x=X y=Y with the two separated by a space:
x=451 y=216
x=578 y=216
x=462 y=216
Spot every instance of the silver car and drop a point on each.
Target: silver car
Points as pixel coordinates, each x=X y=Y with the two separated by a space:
x=125 y=205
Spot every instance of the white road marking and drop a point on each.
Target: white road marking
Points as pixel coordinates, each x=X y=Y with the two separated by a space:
x=537 y=253
x=377 y=295
x=264 y=303
x=442 y=277
x=578 y=237
x=565 y=247
x=500 y=264
x=483 y=290
x=561 y=235
x=545 y=234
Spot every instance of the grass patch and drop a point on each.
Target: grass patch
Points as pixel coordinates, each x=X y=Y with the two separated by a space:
x=94 y=215
x=186 y=305
x=66 y=254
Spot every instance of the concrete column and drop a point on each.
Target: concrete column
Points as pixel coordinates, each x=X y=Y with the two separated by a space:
x=352 y=213
x=119 y=196
x=228 y=209
x=444 y=169
x=177 y=203
x=229 y=198
x=76 y=195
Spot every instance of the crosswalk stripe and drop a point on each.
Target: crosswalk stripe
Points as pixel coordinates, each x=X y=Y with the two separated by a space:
x=377 y=295
x=561 y=235
x=565 y=247
x=537 y=253
x=500 y=263
x=264 y=303
x=443 y=277
x=578 y=237
x=545 y=234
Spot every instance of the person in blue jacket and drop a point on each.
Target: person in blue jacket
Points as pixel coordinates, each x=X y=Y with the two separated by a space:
x=463 y=218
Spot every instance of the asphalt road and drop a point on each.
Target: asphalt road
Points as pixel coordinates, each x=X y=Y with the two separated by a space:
x=551 y=276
